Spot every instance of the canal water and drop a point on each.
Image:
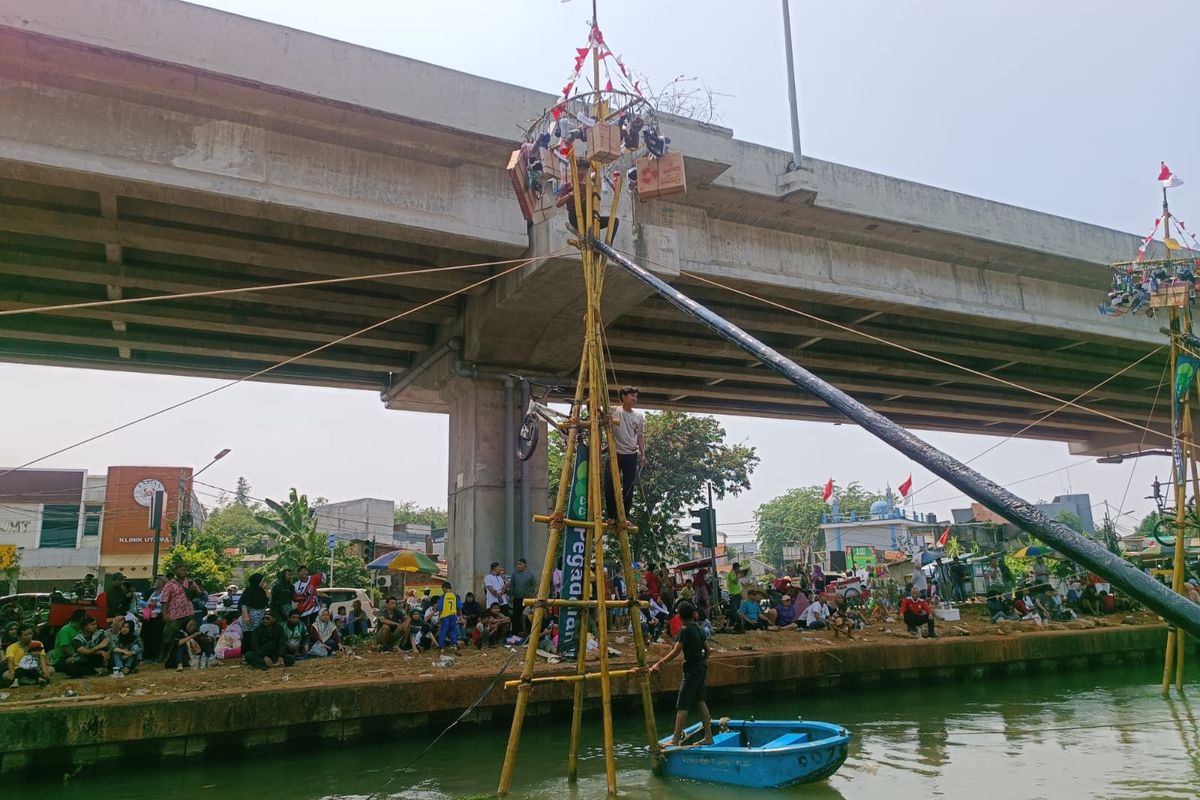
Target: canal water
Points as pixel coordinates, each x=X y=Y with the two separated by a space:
x=1087 y=734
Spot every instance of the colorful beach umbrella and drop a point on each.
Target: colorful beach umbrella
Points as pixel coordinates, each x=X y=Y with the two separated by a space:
x=405 y=561
x=1033 y=551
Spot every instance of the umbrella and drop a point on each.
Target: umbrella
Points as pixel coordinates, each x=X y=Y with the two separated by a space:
x=1033 y=550
x=405 y=561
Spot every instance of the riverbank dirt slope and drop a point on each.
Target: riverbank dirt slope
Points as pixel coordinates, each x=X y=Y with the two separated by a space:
x=365 y=665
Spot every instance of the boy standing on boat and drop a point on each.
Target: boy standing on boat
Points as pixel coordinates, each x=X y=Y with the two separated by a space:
x=692 y=644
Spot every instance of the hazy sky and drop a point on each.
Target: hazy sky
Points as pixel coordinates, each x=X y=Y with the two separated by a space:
x=1065 y=107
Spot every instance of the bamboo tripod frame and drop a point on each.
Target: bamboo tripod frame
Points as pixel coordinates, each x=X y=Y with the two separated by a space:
x=591 y=393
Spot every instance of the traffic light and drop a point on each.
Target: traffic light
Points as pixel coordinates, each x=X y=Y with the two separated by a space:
x=707 y=525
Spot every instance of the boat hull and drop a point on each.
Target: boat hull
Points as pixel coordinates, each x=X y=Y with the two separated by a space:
x=761 y=754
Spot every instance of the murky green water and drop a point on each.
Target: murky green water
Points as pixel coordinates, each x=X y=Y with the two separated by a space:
x=1094 y=734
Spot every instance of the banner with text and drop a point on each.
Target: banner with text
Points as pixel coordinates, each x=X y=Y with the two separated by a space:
x=571 y=564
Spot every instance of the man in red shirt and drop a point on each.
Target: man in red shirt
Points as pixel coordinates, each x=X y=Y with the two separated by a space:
x=916 y=613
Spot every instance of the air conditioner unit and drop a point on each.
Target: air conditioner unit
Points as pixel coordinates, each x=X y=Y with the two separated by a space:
x=383 y=583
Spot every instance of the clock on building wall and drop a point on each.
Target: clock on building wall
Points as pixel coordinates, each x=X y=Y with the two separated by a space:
x=143 y=493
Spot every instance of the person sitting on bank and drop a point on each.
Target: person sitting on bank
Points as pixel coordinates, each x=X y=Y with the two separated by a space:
x=296 y=640
x=1089 y=599
x=750 y=615
x=85 y=652
x=999 y=609
x=390 y=621
x=25 y=661
x=471 y=612
x=492 y=628
x=915 y=611
x=785 y=614
x=692 y=644
x=357 y=621
x=421 y=634
x=126 y=650
x=629 y=439
x=324 y=635
x=840 y=621
x=816 y=615
x=267 y=646
x=186 y=649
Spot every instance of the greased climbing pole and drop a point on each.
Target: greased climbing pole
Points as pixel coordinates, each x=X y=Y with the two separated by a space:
x=577 y=507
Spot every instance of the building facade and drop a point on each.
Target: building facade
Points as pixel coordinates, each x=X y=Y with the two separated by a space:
x=66 y=524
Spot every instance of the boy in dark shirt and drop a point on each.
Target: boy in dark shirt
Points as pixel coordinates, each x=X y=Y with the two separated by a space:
x=691 y=643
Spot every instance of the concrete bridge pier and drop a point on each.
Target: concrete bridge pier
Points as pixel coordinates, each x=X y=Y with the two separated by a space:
x=476 y=490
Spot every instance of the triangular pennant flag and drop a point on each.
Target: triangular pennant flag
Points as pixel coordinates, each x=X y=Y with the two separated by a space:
x=945 y=537
x=1167 y=178
x=906 y=487
x=608 y=87
x=1171 y=244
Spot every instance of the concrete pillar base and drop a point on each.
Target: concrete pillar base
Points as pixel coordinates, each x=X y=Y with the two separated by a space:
x=476 y=492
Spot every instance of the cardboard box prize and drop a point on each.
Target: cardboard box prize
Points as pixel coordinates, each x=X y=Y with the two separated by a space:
x=661 y=177
x=518 y=173
x=604 y=142
x=553 y=165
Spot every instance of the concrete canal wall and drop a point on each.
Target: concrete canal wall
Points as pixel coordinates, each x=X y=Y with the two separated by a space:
x=48 y=740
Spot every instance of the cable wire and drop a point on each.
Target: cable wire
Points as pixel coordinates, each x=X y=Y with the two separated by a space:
x=910 y=350
x=260 y=288
x=306 y=354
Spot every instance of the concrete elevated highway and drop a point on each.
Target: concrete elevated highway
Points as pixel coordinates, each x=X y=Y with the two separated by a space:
x=150 y=146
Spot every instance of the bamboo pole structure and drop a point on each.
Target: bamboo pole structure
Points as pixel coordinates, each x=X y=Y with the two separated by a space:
x=591 y=392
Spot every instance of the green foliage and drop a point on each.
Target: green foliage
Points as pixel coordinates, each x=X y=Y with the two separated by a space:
x=241 y=494
x=953 y=547
x=684 y=452
x=1070 y=519
x=205 y=558
x=409 y=512
x=1145 y=528
x=239 y=526
x=298 y=542
x=792 y=518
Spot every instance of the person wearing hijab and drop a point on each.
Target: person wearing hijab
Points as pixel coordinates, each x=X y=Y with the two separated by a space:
x=325 y=636
x=252 y=605
x=281 y=595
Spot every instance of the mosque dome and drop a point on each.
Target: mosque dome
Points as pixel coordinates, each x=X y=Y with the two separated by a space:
x=881 y=508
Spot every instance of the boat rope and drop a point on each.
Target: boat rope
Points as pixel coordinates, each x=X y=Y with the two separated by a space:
x=487 y=690
x=271 y=368
x=265 y=287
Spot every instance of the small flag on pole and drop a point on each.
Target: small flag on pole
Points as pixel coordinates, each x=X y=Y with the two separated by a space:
x=828 y=493
x=945 y=537
x=906 y=487
x=1171 y=244
x=1167 y=178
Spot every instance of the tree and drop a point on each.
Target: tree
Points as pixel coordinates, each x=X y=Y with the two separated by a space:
x=793 y=518
x=241 y=494
x=685 y=452
x=298 y=542
x=1070 y=519
x=408 y=512
x=205 y=562
x=1146 y=527
x=240 y=527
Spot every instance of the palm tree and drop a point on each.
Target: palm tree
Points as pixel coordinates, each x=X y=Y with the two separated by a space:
x=298 y=543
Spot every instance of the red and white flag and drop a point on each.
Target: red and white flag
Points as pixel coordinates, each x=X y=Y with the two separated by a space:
x=828 y=493
x=906 y=487
x=945 y=537
x=1167 y=178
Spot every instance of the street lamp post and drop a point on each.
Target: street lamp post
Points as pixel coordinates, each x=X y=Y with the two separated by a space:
x=791 y=76
x=185 y=492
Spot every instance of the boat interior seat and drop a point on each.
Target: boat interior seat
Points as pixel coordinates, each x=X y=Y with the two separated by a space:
x=787 y=740
x=727 y=739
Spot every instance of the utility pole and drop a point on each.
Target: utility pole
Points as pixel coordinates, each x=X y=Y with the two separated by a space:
x=791 y=76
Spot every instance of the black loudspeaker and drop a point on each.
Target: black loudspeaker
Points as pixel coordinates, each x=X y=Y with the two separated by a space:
x=837 y=560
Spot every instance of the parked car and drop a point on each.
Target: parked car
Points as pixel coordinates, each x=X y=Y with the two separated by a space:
x=340 y=601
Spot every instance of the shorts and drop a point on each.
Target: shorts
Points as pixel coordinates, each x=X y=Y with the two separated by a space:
x=691 y=688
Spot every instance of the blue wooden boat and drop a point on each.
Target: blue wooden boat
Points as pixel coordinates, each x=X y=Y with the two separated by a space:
x=769 y=754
